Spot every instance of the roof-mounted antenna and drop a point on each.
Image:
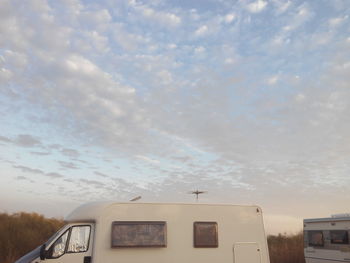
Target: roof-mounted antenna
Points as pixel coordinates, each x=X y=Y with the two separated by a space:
x=135 y=198
x=197 y=193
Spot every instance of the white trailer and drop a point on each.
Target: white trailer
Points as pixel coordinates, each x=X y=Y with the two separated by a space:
x=157 y=233
x=326 y=240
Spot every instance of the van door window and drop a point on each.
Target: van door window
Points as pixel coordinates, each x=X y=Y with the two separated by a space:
x=58 y=248
x=79 y=239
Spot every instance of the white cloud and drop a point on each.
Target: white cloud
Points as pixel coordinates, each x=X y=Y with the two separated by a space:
x=201 y=31
x=40 y=6
x=172 y=46
x=127 y=40
x=280 y=40
x=300 y=97
x=337 y=21
x=321 y=38
x=194 y=15
x=301 y=16
x=229 y=18
x=282 y=6
x=229 y=61
x=97 y=17
x=5 y=75
x=65 y=78
x=199 y=50
x=165 y=77
x=98 y=41
x=15 y=59
x=257 y=6
x=75 y=63
x=136 y=90
x=273 y=80
x=162 y=17
x=147 y=159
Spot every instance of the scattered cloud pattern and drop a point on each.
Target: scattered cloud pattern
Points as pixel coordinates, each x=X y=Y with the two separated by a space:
x=249 y=100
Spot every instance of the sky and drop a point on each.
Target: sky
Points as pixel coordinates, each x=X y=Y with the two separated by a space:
x=248 y=100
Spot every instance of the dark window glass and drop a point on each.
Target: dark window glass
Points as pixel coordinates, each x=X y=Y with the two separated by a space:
x=339 y=237
x=305 y=239
x=315 y=238
x=139 y=234
x=205 y=234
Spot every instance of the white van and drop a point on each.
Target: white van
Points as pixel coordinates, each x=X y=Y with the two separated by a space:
x=157 y=233
x=326 y=240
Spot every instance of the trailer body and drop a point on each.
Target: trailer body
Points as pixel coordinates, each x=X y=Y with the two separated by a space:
x=326 y=240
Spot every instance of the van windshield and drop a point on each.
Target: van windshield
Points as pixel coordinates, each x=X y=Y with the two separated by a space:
x=54 y=235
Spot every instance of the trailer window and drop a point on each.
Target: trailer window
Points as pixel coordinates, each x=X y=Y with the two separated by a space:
x=138 y=234
x=205 y=234
x=339 y=237
x=315 y=238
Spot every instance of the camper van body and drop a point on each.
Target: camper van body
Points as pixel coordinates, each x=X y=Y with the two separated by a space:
x=326 y=240
x=157 y=233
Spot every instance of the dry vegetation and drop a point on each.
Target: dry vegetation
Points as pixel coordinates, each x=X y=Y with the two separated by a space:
x=22 y=232
x=286 y=248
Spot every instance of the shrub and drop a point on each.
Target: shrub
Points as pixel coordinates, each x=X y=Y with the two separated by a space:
x=23 y=232
x=286 y=248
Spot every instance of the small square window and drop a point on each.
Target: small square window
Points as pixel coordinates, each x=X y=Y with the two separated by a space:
x=205 y=234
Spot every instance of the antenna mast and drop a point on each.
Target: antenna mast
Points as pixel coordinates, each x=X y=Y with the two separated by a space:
x=197 y=193
x=135 y=199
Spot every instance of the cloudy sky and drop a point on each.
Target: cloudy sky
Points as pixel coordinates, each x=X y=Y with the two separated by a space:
x=107 y=100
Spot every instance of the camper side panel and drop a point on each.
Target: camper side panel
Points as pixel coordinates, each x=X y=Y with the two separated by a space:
x=235 y=224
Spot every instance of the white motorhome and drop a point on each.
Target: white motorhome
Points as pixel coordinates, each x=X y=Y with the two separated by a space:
x=326 y=240
x=157 y=233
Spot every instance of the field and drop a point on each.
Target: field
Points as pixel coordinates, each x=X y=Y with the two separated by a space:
x=286 y=248
x=22 y=232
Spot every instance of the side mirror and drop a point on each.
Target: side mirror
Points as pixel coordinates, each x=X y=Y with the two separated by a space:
x=43 y=252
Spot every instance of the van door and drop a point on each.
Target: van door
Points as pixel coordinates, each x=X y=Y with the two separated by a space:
x=244 y=252
x=73 y=245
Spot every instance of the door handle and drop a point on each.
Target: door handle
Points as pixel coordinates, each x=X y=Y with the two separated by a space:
x=87 y=259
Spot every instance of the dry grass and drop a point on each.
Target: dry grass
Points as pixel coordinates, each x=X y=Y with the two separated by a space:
x=286 y=248
x=22 y=232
